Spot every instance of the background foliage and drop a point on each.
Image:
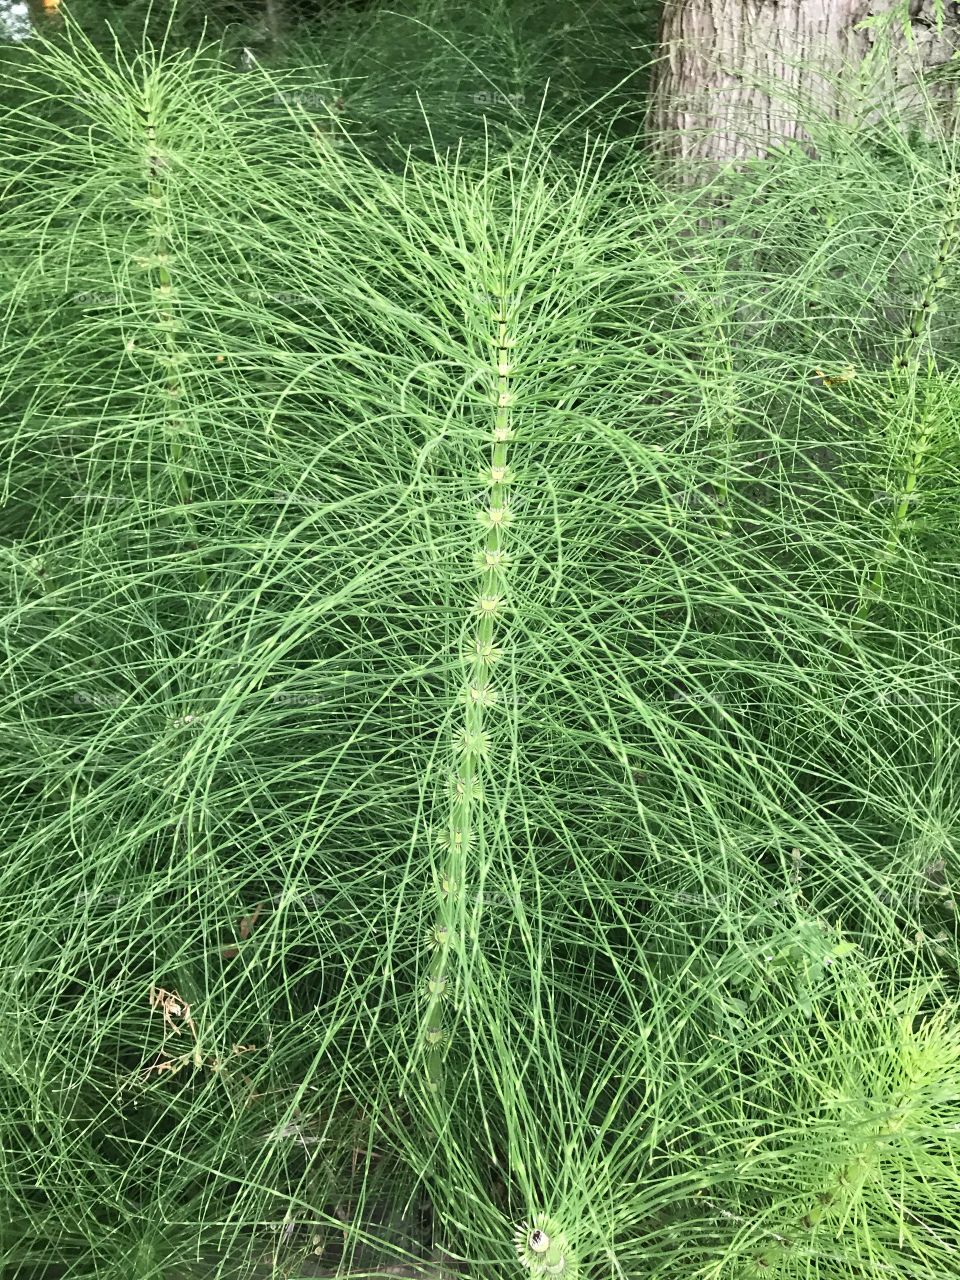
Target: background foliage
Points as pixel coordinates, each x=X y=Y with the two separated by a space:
x=678 y=841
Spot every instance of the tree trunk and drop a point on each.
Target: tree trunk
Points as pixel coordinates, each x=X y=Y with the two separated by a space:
x=736 y=76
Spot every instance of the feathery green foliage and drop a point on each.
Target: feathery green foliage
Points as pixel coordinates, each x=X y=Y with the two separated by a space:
x=458 y=809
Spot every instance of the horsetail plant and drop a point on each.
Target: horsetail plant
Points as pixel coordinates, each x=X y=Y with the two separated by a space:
x=919 y=402
x=156 y=261
x=671 y=973
x=874 y=1166
x=479 y=693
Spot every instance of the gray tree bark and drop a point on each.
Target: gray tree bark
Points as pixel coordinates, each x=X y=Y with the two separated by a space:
x=736 y=76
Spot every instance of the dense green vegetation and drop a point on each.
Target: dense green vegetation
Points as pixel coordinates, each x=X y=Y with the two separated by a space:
x=480 y=712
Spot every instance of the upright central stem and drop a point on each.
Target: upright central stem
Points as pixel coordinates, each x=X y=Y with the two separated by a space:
x=458 y=838
x=169 y=355
x=906 y=363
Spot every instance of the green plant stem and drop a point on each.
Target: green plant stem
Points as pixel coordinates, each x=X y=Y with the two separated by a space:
x=916 y=453
x=905 y=362
x=478 y=693
x=160 y=250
